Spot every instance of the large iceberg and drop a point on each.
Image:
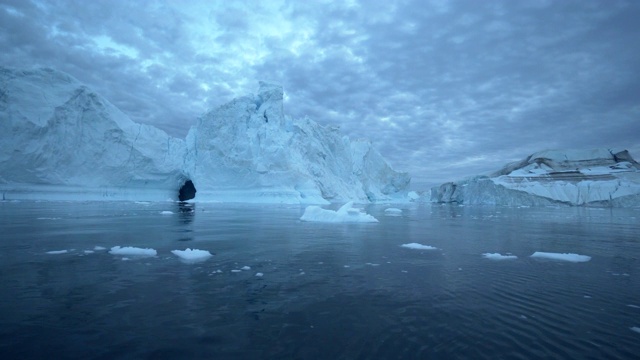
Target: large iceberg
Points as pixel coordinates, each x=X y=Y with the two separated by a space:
x=60 y=140
x=599 y=177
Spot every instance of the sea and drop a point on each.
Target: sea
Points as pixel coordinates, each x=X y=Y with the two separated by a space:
x=277 y=287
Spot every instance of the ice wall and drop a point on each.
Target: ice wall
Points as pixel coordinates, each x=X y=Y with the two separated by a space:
x=61 y=140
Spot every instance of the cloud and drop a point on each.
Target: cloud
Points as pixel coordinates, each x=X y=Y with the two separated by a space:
x=445 y=89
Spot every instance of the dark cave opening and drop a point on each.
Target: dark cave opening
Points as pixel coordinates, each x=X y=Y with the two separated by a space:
x=187 y=191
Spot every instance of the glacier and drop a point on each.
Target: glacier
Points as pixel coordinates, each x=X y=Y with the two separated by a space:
x=595 y=177
x=62 y=141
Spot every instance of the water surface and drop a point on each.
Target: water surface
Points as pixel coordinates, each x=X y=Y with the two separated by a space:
x=330 y=291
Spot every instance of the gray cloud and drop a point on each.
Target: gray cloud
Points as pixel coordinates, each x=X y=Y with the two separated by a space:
x=444 y=89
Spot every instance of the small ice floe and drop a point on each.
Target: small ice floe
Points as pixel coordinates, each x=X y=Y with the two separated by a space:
x=89 y=251
x=347 y=266
x=586 y=297
x=372 y=264
x=635 y=328
x=57 y=252
x=48 y=218
x=99 y=248
x=346 y=214
x=192 y=255
x=125 y=259
x=418 y=246
x=404 y=271
x=393 y=212
x=497 y=256
x=236 y=271
x=561 y=256
x=132 y=251
x=633 y=306
x=245 y=268
x=166 y=212
x=259 y=274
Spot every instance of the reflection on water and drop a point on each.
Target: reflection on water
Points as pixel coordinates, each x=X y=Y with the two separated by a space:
x=327 y=291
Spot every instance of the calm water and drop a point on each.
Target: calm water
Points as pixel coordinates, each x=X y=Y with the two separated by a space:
x=345 y=291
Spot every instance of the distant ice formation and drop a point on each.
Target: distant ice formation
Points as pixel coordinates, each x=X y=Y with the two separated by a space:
x=346 y=213
x=599 y=177
x=561 y=256
x=60 y=140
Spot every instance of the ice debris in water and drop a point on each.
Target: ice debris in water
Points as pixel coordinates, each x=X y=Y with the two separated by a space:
x=99 y=248
x=561 y=256
x=132 y=251
x=192 y=255
x=418 y=246
x=393 y=212
x=57 y=252
x=166 y=212
x=497 y=256
x=245 y=268
x=347 y=213
x=635 y=328
x=259 y=274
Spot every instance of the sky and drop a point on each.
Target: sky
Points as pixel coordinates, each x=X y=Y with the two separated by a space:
x=443 y=89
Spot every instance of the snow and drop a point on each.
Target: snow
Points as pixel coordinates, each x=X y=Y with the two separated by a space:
x=132 y=251
x=561 y=256
x=597 y=177
x=57 y=252
x=192 y=255
x=346 y=214
x=498 y=256
x=418 y=246
x=55 y=130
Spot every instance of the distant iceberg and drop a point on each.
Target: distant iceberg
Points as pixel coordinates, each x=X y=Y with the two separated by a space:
x=132 y=251
x=346 y=213
x=599 y=177
x=59 y=140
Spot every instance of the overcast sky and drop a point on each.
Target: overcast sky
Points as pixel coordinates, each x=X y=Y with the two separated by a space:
x=444 y=89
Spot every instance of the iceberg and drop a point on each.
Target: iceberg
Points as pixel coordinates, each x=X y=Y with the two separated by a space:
x=598 y=177
x=60 y=140
x=346 y=214
x=417 y=246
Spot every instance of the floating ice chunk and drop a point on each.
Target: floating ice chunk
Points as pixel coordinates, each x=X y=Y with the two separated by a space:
x=192 y=255
x=372 y=264
x=497 y=256
x=99 y=248
x=418 y=246
x=393 y=212
x=245 y=268
x=89 y=251
x=561 y=256
x=166 y=212
x=236 y=271
x=259 y=274
x=635 y=328
x=347 y=213
x=57 y=252
x=132 y=251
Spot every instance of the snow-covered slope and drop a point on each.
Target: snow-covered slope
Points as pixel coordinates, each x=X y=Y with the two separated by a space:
x=60 y=140
x=599 y=177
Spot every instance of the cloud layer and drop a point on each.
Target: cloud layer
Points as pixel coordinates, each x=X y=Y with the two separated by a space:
x=445 y=89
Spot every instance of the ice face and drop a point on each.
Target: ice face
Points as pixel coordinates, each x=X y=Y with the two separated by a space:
x=347 y=213
x=60 y=140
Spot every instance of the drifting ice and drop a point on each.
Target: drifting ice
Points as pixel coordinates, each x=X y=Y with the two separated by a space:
x=561 y=256
x=498 y=256
x=417 y=246
x=346 y=213
x=192 y=255
x=132 y=251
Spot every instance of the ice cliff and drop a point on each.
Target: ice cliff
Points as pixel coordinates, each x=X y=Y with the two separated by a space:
x=599 y=177
x=60 y=140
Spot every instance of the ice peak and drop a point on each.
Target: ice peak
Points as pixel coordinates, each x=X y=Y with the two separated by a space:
x=270 y=91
